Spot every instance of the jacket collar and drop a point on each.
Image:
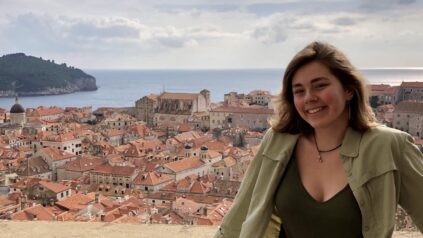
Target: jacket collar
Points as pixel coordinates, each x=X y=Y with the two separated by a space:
x=279 y=145
x=351 y=143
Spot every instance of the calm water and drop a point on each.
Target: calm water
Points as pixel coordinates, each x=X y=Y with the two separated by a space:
x=121 y=88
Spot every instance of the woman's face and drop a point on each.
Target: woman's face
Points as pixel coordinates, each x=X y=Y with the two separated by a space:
x=319 y=97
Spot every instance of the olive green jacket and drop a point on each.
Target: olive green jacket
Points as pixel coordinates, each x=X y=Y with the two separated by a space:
x=384 y=169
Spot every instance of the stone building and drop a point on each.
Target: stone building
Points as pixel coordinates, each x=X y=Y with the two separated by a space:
x=35 y=167
x=151 y=181
x=223 y=169
x=17 y=114
x=45 y=113
x=55 y=158
x=47 y=192
x=77 y=168
x=260 y=97
x=412 y=91
x=408 y=117
x=235 y=99
x=65 y=142
x=145 y=108
x=383 y=94
x=247 y=117
x=109 y=175
x=177 y=108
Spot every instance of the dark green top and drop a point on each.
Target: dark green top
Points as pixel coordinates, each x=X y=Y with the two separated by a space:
x=304 y=217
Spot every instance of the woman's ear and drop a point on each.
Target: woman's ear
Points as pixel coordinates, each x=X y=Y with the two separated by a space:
x=349 y=94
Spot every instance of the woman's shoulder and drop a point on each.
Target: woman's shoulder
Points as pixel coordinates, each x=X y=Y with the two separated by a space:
x=386 y=137
x=384 y=132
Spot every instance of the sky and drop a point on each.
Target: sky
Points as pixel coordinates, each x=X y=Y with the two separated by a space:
x=210 y=34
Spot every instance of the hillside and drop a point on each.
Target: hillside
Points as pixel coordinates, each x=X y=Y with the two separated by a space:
x=29 y=76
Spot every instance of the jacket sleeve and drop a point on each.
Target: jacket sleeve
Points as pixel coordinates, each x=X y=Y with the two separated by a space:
x=232 y=222
x=411 y=173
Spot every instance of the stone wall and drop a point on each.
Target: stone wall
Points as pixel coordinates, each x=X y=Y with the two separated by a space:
x=112 y=230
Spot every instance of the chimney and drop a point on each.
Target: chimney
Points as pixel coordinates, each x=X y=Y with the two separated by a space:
x=188 y=150
x=203 y=152
x=97 y=198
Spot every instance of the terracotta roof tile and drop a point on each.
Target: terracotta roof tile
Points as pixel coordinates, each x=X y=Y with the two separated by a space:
x=75 y=202
x=55 y=187
x=55 y=154
x=184 y=164
x=38 y=212
x=118 y=170
x=412 y=84
x=246 y=110
x=409 y=106
x=83 y=164
x=152 y=179
x=180 y=96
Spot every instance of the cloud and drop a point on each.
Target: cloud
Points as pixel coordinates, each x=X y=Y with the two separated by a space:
x=66 y=34
x=376 y=5
x=279 y=27
x=344 y=21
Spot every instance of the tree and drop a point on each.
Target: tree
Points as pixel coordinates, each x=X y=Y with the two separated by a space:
x=374 y=101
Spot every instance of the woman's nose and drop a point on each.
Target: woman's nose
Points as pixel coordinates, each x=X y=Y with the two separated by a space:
x=310 y=97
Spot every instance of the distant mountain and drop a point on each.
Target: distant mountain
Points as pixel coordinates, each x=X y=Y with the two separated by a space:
x=30 y=76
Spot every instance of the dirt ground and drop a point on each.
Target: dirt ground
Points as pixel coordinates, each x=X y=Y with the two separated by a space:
x=15 y=229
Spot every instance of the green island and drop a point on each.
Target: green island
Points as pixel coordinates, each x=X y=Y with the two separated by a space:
x=31 y=76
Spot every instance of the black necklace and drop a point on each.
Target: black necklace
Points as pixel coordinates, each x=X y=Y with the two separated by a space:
x=319 y=157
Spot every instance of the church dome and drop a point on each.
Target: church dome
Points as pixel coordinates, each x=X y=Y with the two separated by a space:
x=17 y=108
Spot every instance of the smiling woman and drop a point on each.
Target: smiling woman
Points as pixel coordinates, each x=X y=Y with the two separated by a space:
x=325 y=168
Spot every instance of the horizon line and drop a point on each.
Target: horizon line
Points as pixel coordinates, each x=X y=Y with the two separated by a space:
x=266 y=68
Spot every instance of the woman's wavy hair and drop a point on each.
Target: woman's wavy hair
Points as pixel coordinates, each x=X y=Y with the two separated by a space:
x=286 y=118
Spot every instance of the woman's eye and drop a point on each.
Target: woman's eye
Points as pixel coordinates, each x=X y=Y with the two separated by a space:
x=296 y=92
x=321 y=85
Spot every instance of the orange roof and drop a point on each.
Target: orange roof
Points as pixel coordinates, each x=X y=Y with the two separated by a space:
x=379 y=87
x=152 y=97
x=55 y=154
x=412 y=84
x=185 y=127
x=43 y=111
x=409 y=106
x=55 y=187
x=2 y=167
x=5 y=202
x=247 y=110
x=204 y=221
x=151 y=179
x=61 y=137
x=82 y=165
x=117 y=170
x=184 y=164
x=186 y=136
x=112 y=133
x=259 y=92
x=37 y=212
x=226 y=162
x=179 y=96
x=75 y=202
x=199 y=187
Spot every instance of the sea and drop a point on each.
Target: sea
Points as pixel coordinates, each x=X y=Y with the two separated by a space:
x=121 y=88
